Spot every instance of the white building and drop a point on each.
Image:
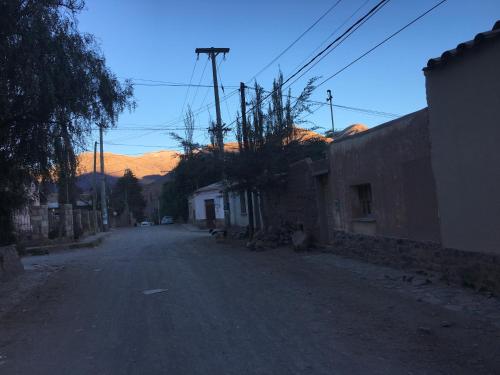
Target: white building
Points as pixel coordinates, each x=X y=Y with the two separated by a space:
x=206 y=207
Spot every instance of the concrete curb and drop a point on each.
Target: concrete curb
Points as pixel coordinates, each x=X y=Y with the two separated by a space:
x=192 y=228
x=47 y=249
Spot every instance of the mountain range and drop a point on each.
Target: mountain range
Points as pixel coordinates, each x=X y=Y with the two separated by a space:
x=153 y=167
x=148 y=167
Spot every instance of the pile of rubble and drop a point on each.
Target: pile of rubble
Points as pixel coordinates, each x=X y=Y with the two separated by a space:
x=285 y=235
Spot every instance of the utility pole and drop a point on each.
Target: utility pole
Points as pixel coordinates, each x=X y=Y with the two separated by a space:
x=104 y=208
x=159 y=217
x=246 y=149
x=212 y=54
x=329 y=98
x=94 y=188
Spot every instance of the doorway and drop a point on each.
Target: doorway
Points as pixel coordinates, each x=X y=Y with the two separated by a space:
x=210 y=213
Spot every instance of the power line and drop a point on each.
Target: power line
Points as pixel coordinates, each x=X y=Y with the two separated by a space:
x=340 y=42
x=360 y=57
x=199 y=82
x=141 y=128
x=189 y=87
x=296 y=40
x=372 y=10
x=222 y=87
x=350 y=108
x=382 y=42
x=332 y=33
x=177 y=85
x=324 y=50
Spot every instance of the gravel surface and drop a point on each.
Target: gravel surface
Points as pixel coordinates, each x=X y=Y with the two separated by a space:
x=165 y=300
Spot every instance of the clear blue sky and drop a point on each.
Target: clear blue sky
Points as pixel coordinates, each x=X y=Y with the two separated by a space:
x=155 y=40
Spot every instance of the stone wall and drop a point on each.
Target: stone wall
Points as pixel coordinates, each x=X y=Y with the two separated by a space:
x=296 y=203
x=39 y=217
x=77 y=223
x=85 y=215
x=68 y=220
x=471 y=269
x=10 y=264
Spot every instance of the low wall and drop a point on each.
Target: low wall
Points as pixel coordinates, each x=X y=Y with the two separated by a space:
x=296 y=202
x=10 y=264
x=219 y=223
x=470 y=269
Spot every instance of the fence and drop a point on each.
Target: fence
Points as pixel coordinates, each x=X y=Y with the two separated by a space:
x=39 y=223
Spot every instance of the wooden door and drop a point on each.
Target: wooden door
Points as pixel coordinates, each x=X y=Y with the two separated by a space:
x=210 y=213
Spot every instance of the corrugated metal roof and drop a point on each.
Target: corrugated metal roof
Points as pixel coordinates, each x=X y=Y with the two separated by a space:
x=463 y=48
x=215 y=186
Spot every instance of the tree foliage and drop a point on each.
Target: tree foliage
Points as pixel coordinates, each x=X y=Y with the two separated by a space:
x=54 y=85
x=201 y=169
x=187 y=142
x=126 y=195
x=274 y=141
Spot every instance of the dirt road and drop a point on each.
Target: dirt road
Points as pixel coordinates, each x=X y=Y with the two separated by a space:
x=164 y=300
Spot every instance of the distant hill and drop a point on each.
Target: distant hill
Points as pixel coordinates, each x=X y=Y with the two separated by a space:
x=146 y=167
x=149 y=167
x=300 y=134
x=350 y=130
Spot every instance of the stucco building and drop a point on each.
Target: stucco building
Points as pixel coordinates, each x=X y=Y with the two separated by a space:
x=382 y=181
x=423 y=182
x=463 y=94
x=206 y=207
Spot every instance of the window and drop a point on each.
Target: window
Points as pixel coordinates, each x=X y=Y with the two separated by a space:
x=363 y=205
x=243 y=203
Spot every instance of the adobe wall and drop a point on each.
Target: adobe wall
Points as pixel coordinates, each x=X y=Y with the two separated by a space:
x=394 y=158
x=464 y=106
x=296 y=202
x=465 y=268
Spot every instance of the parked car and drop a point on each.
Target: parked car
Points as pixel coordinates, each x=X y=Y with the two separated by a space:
x=167 y=220
x=146 y=224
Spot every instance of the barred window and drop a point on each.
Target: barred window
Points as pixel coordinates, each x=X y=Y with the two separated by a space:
x=363 y=206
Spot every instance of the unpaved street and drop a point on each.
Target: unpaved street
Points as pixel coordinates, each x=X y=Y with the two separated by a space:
x=221 y=309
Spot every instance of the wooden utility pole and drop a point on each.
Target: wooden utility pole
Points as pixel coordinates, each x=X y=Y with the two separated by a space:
x=94 y=188
x=212 y=54
x=219 y=131
x=246 y=150
x=329 y=98
x=104 y=208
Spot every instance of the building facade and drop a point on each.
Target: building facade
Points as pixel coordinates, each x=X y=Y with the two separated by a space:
x=382 y=181
x=463 y=94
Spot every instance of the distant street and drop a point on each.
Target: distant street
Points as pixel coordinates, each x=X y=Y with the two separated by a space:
x=166 y=300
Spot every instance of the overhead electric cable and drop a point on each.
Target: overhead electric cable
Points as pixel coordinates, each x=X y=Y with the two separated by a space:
x=372 y=10
x=199 y=83
x=187 y=91
x=295 y=41
x=332 y=34
x=339 y=43
x=382 y=42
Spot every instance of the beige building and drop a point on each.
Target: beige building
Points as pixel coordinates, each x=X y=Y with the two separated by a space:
x=463 y=94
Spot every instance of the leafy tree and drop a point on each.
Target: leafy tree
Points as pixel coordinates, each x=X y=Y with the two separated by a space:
x=126 y=195
x=274 y=141
x=54 y=85
x=187 y=142
x=201 y=169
